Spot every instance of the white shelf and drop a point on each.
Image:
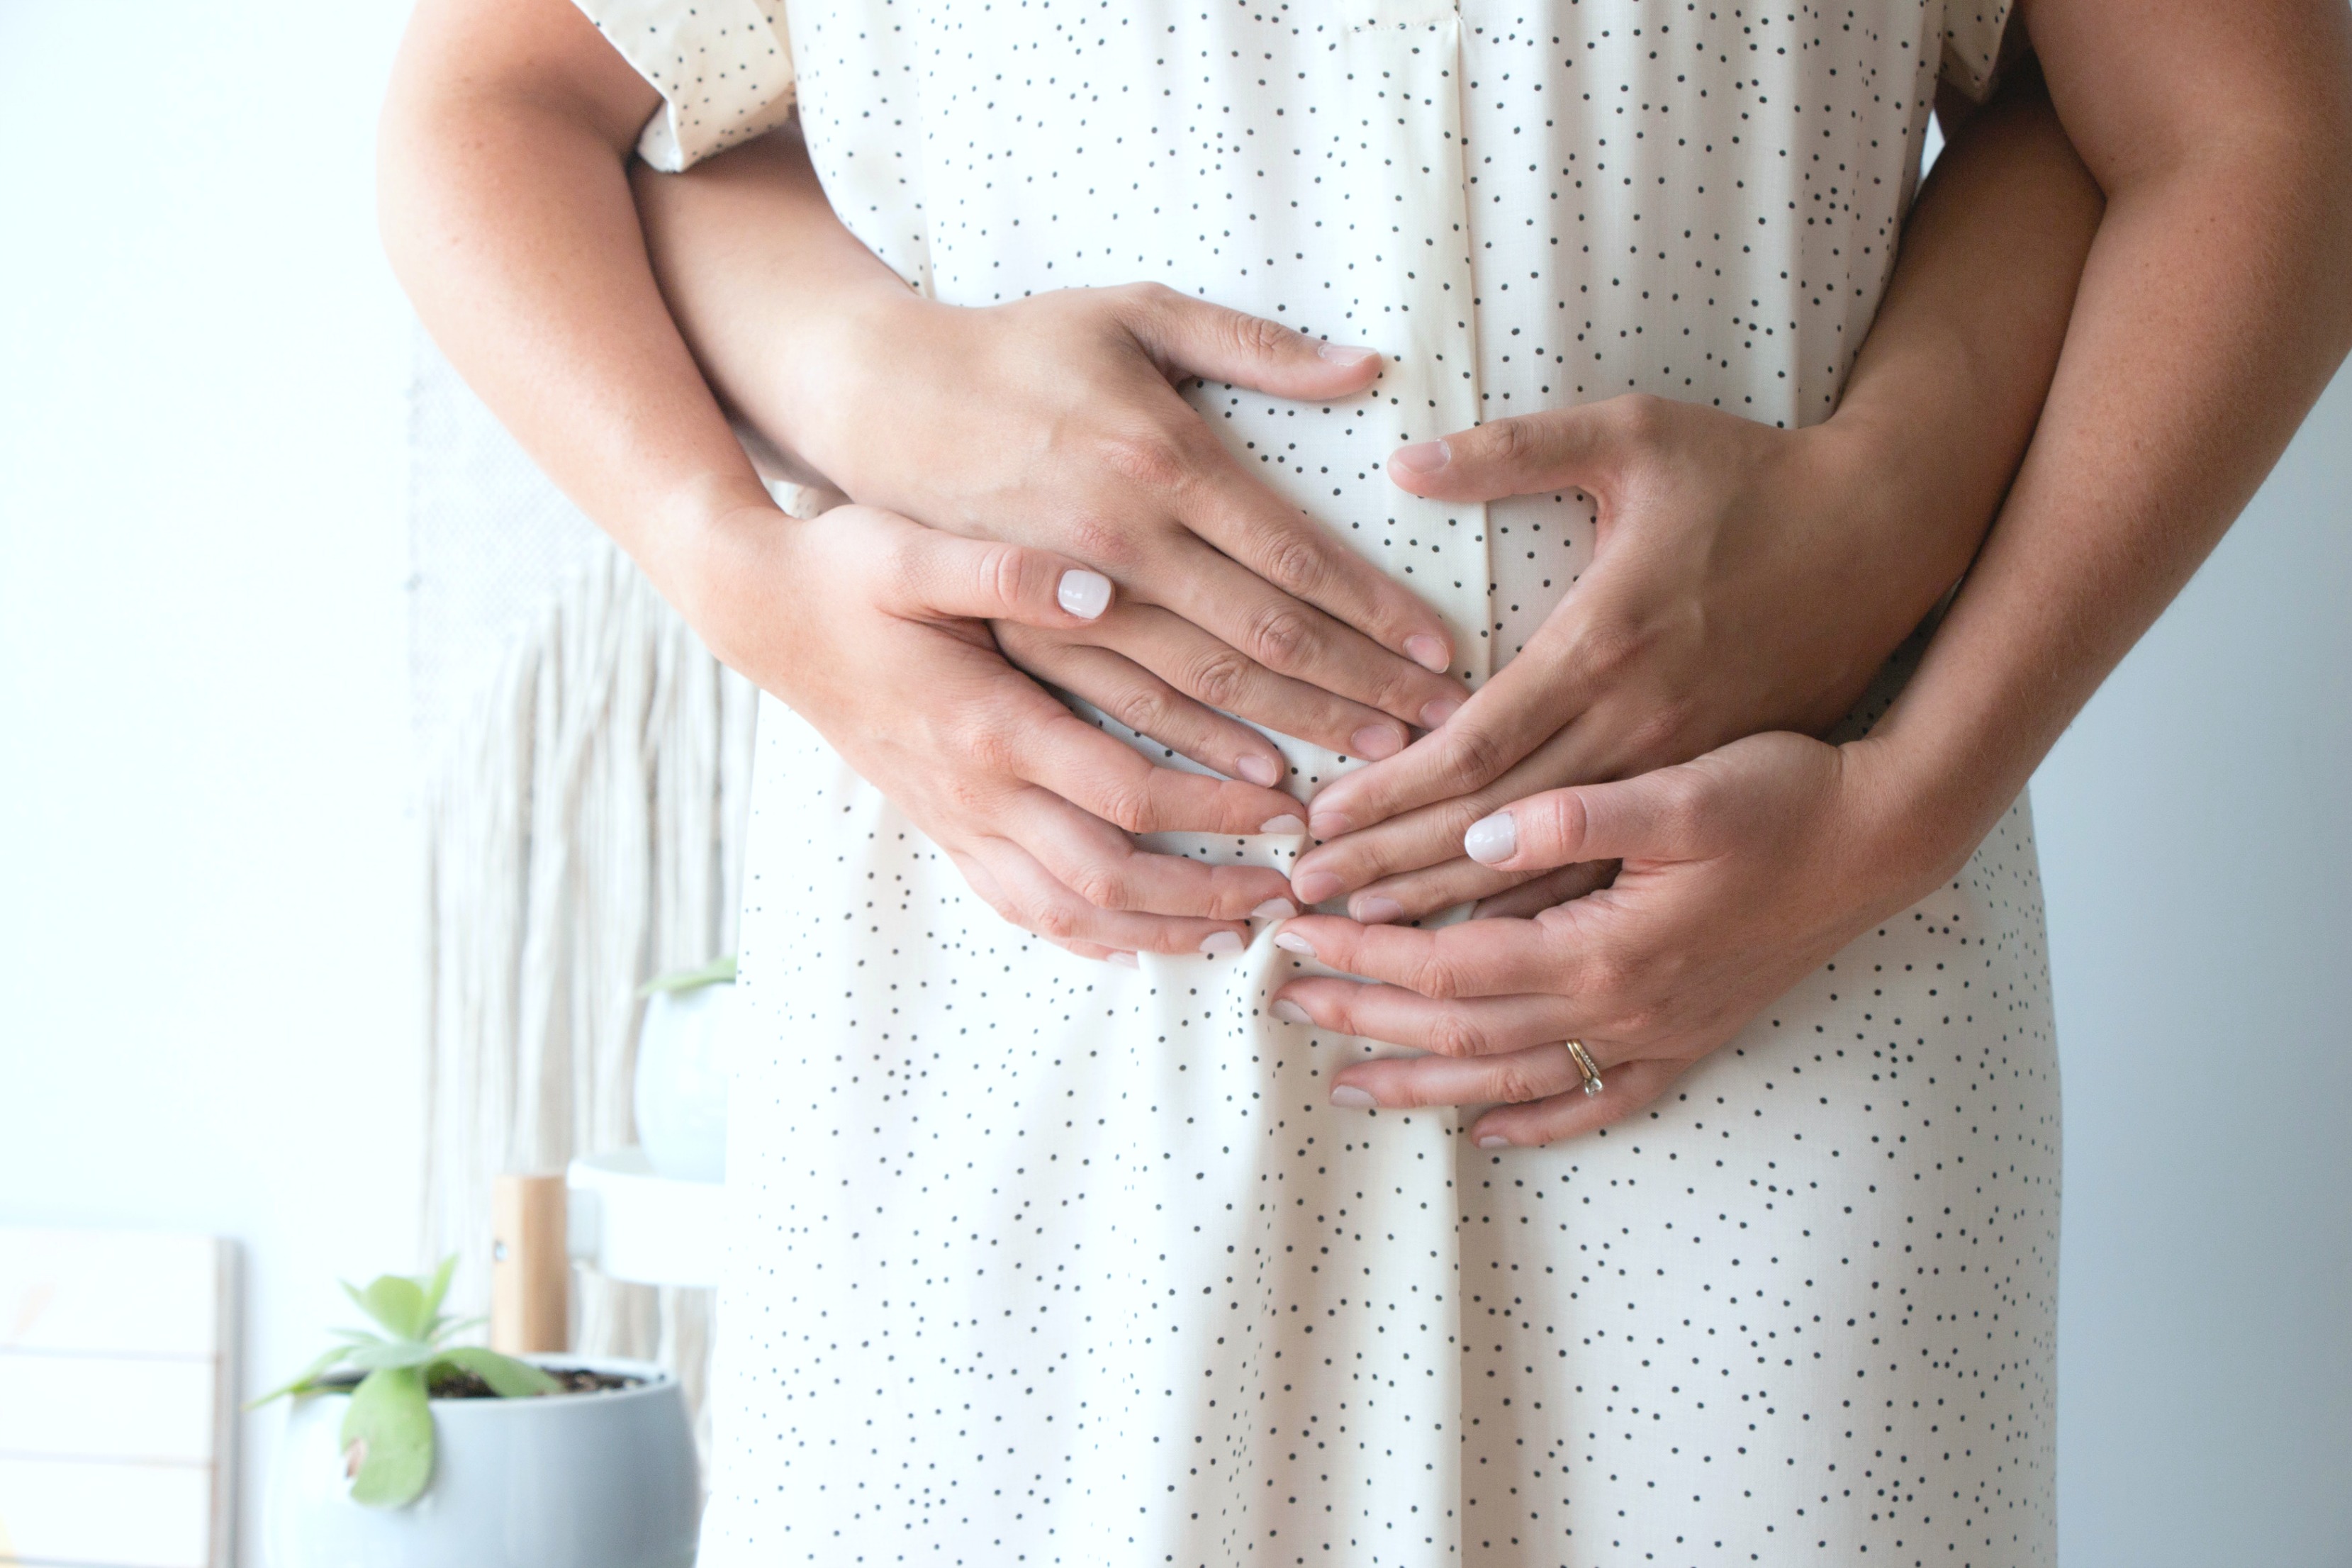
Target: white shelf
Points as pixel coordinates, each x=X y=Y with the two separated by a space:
x=628 y=1224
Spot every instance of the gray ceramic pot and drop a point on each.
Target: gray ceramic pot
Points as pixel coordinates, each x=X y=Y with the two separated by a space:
x=566 y=1481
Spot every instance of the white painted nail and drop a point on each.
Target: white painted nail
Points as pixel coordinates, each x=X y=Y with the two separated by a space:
x=1427 y=652
x=1289 y=1012
x=1493 y=1141
x=1275 y=909
x=1084 y=594
x=1289 y=942
x=1492 y=839
x=1259 y=771
x=1126 y=960
x=1220 y=944
x=1283 y=824
x=1347 y=1097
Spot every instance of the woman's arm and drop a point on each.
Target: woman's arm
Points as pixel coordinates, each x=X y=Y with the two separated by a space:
x=2217 y=302
x=507 y=212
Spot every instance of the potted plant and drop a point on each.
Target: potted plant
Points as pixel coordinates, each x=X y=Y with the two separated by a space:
x=681 y=1078
x=404 y=1450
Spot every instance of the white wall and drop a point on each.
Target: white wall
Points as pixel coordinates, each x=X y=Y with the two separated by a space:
x=207 y=895
x=2196 y=829
x=207 y=865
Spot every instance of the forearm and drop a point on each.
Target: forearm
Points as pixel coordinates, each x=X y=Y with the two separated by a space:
x=1944 y=394
x=767 y=284
x=2216 y=303
x=507 y=214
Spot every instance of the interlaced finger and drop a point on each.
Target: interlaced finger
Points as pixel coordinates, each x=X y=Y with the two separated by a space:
x=1105 y=868
x=1293 y=637
x=1477 y=958
x=1486 y=1027
x=1221 y=675
x=1143 y=701
x=1099 y=774
x=1034 y=900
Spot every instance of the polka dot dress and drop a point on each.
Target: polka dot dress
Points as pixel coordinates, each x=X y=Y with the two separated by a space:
x=1042 y=1261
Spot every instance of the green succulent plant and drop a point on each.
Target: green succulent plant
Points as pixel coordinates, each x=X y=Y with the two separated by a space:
x=387 y=1435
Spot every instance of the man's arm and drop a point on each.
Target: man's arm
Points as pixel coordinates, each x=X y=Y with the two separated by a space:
x=2216 y=303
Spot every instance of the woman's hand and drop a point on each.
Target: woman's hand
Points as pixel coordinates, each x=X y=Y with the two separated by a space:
x=875 y=629
x=1055 y=421
x=1743 y=872
x=1746 y=579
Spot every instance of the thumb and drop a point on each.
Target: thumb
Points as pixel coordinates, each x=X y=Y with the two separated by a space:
x=1560 y=448
x=933 y=575
x=1658 y=815
x=1190 y=337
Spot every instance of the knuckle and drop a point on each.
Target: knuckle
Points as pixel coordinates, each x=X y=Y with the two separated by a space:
x=1092 y=537
x=1666 y=721
x=1100 y=884
x=1147 y=711
x=1148 y=458
x=1126 y=805
x=1607 y=646
x=1516 y=1083
x=1280 y=635
x=1437 y=978
x=1458 y=1037
x=1054 y=919
x=1218 y=676
x=1293 y=563
x=1255 y=335
x=1475 y=753
x=1636 y=417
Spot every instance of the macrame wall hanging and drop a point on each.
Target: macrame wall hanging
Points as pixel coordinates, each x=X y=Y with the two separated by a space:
x=586 y=767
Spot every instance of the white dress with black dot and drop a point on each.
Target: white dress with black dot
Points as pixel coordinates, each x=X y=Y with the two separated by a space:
x=1042 y=1261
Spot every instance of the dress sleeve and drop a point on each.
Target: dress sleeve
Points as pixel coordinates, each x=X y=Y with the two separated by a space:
x=724 y=69
x=1974 y=51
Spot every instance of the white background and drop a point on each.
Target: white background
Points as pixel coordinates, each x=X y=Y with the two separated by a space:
x=208 y=890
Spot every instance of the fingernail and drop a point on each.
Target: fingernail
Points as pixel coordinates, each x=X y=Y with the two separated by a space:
x=1084 y=594
x=1347 y=1097
x=1275 y=909
x=1374 y=742
x=1285 y=823
x=1491 y=839
x=1260 y=771
x=1375 y=909
x=1315 y=886
x=1125 y=960
x=1332 y=824
x=1427 y=652
x=1422 y=457
x=1289 y=1012
x=1220 y=944
x=1348 y=354
x=1493 y=1141
x=1437 y=713
x=1290 y=942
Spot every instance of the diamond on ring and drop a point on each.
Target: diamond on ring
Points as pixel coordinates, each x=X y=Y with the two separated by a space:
x=1584 y=1065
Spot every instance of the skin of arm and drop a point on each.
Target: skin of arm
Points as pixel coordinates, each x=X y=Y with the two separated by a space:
x=507 y=214
x=2215 y=303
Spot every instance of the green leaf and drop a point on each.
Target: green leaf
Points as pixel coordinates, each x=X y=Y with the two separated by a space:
x=303 y=1379
x=717 y=972
x=397 y=1302
x=508 y=1378
x=387 y=1438
x=435 y=1290
x=377 y=1355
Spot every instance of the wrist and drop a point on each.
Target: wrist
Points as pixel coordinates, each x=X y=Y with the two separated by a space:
x=1919 y=815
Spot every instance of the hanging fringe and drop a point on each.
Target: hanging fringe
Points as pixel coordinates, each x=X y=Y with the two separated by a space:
x=584 y=832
